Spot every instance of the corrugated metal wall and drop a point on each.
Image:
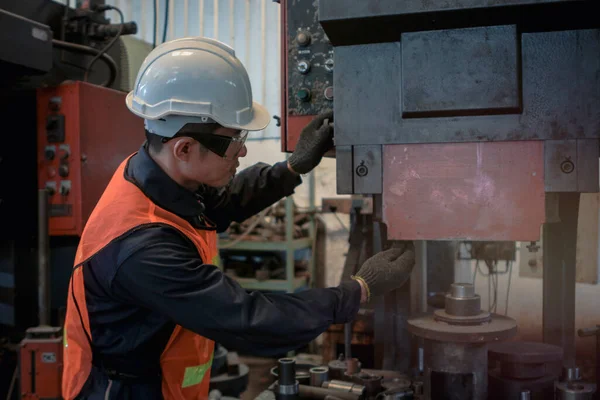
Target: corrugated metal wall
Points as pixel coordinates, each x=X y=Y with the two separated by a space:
x=251 y=27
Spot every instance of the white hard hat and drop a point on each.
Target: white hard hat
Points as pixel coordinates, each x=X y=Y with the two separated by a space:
x=194 y=80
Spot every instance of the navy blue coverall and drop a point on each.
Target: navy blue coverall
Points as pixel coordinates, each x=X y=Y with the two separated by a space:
x=153 y=278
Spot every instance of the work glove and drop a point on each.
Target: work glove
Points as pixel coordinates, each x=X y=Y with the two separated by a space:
x=315 y=140
x=387 y=270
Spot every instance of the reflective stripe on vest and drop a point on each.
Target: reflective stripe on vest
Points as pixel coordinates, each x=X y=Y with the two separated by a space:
x=187 y=357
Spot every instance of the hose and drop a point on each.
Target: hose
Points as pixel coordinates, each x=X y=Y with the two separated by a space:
x=108 y=60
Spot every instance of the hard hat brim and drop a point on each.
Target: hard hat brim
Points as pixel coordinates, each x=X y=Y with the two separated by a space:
x=260 y=116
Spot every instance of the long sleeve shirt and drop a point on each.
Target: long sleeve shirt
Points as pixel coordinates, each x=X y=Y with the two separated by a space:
x=143 y=284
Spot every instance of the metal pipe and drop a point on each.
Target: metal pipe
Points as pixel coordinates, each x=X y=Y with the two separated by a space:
x=43 y=259
x=318 y=375
x=201 y=18
x=287 y=371
x=186 y=6
x=216 y=19
x=311 y=392
x=348 y=340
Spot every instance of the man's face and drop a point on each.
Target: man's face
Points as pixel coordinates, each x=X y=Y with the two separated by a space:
x=210 y=169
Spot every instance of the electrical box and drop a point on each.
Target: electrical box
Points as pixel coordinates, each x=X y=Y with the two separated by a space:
x=41 y=363
x=84 y=132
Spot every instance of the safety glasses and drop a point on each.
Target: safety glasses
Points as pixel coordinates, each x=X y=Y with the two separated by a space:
x=227 y=147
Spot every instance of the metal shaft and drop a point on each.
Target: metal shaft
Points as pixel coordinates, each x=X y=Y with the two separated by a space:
x=348 y=340
x=43 y=259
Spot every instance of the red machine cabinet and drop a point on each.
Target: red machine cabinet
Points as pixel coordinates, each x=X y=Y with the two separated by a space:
x=84 y=132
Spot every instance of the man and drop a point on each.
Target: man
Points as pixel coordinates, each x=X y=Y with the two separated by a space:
x=145 y=302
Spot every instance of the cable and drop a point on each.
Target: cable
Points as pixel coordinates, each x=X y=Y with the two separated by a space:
x=508 y=286
x=154 y=25
x=112 y=65
x=12 y=384
x=110 y=44
x=164 y=38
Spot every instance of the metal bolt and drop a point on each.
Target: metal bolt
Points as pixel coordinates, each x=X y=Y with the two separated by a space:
x=567 y=166
x=362 y=169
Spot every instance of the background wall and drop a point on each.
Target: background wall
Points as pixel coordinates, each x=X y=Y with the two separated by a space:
x=252 y=28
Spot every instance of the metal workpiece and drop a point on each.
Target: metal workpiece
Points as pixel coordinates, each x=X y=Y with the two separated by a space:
x=456 y=346
x=575 y=391
x=523 y=367
x=347 y=387
x=396 y=393
x=287 y=386
x=318 y=375
x=462 y=300
x=319 y=393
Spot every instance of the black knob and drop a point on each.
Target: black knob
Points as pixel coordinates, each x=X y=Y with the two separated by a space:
x=49 y=154
x=63 y=170
x=50 y=190
x=64 y=190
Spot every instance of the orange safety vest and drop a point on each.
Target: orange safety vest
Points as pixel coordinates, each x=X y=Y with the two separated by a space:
x=187 y=358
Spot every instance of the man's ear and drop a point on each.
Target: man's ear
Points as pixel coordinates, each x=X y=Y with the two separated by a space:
x=181 y=148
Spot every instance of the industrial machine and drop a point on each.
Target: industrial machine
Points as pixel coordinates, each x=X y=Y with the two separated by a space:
x=470 y=121
x=66 y=129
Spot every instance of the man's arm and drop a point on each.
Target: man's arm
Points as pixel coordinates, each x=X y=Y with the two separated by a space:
x=251 y=191
x=166 y=274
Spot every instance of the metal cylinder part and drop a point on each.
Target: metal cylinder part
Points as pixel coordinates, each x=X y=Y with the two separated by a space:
x=457 y=368
x=575 y=391
x=310 y=392
x=462 y=290
x=287 y=387
x=571 y=374
x=352 y=366
x=343 y=386
x=525 y=395
x=462 y=300
x=287 y=371
x=455 y=347
x=337 y=368
x=318 y=375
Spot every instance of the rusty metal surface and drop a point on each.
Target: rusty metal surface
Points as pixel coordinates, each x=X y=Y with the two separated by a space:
x=524 y=352
x=500 y=328
x=474 y=191
x=445 y=316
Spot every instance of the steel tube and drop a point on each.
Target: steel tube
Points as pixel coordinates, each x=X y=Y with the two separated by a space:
x=43 y=259
x=318 y=375
x=310 y=392
x=287 y=371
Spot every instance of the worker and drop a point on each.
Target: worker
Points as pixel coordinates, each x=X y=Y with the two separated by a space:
x=146 y=301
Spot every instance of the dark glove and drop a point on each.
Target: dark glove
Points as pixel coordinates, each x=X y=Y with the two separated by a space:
x=315 y=140
x=387 y=270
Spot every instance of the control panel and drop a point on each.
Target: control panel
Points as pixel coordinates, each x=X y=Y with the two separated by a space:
x=84 y=132
x=310 y=61
x=58 y=150
x=307 y=68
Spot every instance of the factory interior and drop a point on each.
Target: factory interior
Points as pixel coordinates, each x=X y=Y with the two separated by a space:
x=470 y=128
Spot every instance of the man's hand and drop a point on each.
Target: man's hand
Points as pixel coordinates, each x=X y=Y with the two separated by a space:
x=315 y=140
x=387 y=270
